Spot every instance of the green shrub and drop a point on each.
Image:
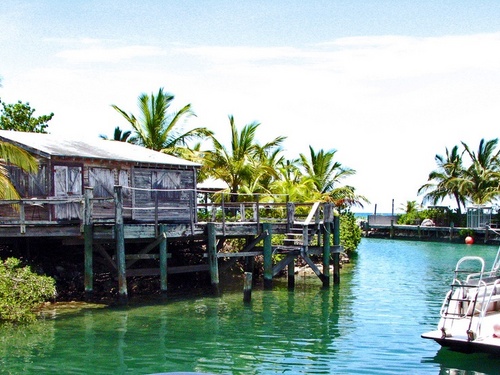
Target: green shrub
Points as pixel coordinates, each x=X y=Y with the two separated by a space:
x=22 y=291
x=350 y=232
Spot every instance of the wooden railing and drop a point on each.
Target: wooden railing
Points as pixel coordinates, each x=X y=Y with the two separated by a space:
x=86 y=208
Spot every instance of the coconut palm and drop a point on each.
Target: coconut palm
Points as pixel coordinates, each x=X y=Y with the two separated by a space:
x=323 y=170
x=481 y=180
x=157 y=128
x=345 y=197
x=446 y=180
x=120 y=136
x=13 y=155
x=242 y=162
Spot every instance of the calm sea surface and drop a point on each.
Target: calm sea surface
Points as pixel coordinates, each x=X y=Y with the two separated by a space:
x=370 y=324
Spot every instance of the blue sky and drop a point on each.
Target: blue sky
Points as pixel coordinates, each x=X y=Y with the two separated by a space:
x=386 y=83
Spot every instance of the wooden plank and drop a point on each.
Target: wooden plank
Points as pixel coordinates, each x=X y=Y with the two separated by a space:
x=240 y=254
x=283 y=263
x=149 y=247
x=142 y=256
x=170 y=270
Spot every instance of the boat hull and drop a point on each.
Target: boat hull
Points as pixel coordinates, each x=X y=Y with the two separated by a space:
x=479 y=345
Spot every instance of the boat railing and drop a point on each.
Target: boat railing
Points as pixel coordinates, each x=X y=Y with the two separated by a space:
x=460 y=298
x=489 y=302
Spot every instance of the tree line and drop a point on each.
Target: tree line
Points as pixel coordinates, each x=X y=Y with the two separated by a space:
x=465 y=175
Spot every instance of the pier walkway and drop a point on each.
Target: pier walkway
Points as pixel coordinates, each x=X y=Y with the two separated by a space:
x=145 y=244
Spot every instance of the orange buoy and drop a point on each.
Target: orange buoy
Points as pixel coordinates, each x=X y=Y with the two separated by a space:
x=469 y=240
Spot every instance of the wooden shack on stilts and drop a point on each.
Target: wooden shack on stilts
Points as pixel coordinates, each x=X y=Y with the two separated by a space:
x=128 y=205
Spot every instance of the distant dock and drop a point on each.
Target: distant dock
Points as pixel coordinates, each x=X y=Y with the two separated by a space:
x=384 y=226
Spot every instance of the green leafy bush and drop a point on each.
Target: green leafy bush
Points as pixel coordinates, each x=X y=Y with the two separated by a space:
x=350 y=232
x=21 y=291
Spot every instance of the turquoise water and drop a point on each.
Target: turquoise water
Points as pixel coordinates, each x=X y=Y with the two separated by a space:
x=370 y=324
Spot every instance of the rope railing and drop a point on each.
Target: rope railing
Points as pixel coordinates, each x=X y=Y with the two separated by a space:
x=154 y=206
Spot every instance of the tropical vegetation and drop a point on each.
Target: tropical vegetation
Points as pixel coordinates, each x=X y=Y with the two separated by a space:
x=13 y=155
x=465 y=175
x=19 y=116
x=157 y=127
x=22 y=291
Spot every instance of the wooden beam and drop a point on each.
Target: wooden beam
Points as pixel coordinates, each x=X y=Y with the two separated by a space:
x=326 y=253
x=283 y=263
x=88 y=242
x=268 y=260
x=120 y=245
x=313 y=267
x=171 y=270
x=336 y=255
x=106 y=256
x=163 y=259
x=149 y=247
x=212 y=256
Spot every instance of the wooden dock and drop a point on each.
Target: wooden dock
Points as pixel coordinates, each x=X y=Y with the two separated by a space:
x=280 y=233
x=431 y=233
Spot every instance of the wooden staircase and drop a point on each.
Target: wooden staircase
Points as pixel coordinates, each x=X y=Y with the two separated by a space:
x=297 y=241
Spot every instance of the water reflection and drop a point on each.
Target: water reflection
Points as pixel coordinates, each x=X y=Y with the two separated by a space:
x=455 y=363
x=369 y=324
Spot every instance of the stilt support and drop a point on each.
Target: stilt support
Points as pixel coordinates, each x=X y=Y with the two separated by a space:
x=268 y=261
x=247 y=287
x=89 y=244
x=163 y=259
x=291 y=274
x=326 y=254
x=336 y=254
x=212 y=257
x=120 y=246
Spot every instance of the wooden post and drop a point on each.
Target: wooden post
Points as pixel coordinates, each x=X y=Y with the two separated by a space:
x=88 y=242
x=247 y=287
x=326 y=253
x=156 y=213
x=22 y=217
x=120 y=245
x=336 y=254
x=290 y=216
x=212 y=257
x=268 y=261
x=163 y=259
x=391 y=231
x=291 y=274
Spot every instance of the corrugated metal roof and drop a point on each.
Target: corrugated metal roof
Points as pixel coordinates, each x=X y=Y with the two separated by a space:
x=52 y=145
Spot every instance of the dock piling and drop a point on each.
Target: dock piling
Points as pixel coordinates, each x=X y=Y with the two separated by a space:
x=88 y=236
x=120 y=245
x=163 y=259
x=212 y=256
x=247 y=287
x=336 y=254
x=326 y=254
x=268 y=261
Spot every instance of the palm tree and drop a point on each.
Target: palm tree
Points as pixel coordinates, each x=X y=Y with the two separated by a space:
x=159 y=130
x=13 y=155
x=410 y=207
x=242 y=163
x=323 y=170
x=345 y=197
x=446 y=180
x=120 y=136
x=290 y=184
x=482 y=179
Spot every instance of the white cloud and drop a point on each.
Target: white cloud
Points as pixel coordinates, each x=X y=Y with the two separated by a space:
x=93 y=52
x=388 y=104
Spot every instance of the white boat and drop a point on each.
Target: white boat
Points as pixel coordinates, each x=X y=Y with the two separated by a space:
x=470 y=313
